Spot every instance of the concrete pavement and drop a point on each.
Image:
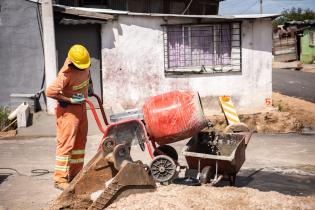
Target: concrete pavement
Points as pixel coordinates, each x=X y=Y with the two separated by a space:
x=294 y=83
x=283 y=163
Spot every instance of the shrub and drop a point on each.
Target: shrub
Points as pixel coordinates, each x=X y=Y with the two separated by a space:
x=4 y=113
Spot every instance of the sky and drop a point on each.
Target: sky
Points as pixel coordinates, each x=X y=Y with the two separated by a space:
x=234 y=7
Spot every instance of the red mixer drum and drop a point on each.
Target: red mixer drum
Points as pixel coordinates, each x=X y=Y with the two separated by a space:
x=173 y=116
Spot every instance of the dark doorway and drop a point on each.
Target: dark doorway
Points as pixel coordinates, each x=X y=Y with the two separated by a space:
x=87 y=35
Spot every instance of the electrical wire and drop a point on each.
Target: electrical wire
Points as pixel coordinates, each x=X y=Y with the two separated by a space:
x=230 y=4
x=40 y=28
x=34 y=172
x=277 y=3
x=187 y=7
x=251 y=6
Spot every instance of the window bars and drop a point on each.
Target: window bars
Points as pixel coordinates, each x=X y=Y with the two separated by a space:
x=207 y=48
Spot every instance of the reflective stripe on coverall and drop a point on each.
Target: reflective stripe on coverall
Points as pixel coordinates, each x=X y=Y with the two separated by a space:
x=72 y=124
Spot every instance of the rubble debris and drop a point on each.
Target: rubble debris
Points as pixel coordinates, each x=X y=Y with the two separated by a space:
x=207 y=197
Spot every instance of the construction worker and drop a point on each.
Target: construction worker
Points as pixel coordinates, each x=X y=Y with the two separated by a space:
x=70 y=90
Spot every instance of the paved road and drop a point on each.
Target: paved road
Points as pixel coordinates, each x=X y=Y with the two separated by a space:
x=282 y=163
x=294 y=83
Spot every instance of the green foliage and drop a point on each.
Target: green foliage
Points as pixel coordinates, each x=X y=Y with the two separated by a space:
x=4 y=113
x=299 y=14
x=294 y=14
x=280 y=107
x=279 y=21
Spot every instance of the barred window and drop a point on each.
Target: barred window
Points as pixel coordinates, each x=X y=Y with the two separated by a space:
x=202 y=48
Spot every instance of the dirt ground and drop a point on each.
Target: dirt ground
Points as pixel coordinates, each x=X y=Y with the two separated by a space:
x=282 y=163
x=301 y=110
x=296 y=65
x=289 y=115
x=207 y=197
x=309 y=68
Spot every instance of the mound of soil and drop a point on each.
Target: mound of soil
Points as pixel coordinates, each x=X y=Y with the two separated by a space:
x=289 y=115
x=303 y=111
x=207 y=197
x=268 y=122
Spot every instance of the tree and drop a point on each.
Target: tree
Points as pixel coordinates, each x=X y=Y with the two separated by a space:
x=294 y=14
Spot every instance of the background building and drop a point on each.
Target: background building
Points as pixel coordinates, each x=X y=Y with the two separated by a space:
x=138 y=54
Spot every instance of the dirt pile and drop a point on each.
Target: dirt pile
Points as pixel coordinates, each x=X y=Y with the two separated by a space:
x=301 y=110
x=207 y=197
x=268 y=122
x=290 y=115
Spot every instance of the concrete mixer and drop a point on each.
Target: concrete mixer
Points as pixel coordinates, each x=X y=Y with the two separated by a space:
x=163 y=119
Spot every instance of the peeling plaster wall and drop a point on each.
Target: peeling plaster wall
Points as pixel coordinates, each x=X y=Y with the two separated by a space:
x=21 y=52
x=133 y=66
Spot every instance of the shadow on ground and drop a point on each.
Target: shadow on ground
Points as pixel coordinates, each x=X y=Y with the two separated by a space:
x=4 y=177
x=285 y=183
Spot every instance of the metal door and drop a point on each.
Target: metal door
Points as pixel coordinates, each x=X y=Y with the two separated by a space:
x=87 y=35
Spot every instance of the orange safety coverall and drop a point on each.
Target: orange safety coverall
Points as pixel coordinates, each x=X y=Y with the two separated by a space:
x=71 y=120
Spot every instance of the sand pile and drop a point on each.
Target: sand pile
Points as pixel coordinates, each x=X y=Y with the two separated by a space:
x=207 y=197
x=268 y=122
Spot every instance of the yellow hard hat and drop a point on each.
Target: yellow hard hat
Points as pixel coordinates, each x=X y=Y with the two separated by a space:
x=79 y=56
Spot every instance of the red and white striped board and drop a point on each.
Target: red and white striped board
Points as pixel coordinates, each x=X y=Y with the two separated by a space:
x=229 y=110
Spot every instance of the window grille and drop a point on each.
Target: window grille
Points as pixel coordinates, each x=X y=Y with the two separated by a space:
x=202 y=48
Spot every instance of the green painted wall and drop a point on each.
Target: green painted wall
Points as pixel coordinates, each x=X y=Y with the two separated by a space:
x=307 y=51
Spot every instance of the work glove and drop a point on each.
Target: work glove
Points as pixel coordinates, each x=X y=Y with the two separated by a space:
x=77 y=99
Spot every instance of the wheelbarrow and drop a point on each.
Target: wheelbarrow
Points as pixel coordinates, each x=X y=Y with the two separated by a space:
x=216 y=156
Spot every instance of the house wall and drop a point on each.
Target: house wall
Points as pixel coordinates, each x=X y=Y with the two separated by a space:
x=133 y=66
x=21 y=52
x=307 y=51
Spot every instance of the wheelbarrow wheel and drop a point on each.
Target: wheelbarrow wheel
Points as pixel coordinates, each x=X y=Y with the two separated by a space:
x=167 y=150
x=206 y=175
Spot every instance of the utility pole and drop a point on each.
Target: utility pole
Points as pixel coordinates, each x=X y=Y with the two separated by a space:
x=261 y=6
x=49 y=49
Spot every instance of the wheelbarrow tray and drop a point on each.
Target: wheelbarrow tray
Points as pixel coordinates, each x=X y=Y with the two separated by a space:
x=228 y=162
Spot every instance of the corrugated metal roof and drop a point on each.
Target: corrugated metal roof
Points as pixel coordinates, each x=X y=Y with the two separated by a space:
x=119 y=12
x=253 y=16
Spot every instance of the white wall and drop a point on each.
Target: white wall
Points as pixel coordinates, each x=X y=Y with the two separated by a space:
x=133 y=66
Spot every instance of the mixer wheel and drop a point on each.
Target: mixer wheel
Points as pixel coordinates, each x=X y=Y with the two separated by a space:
x=167 y=150
x=163 y=169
